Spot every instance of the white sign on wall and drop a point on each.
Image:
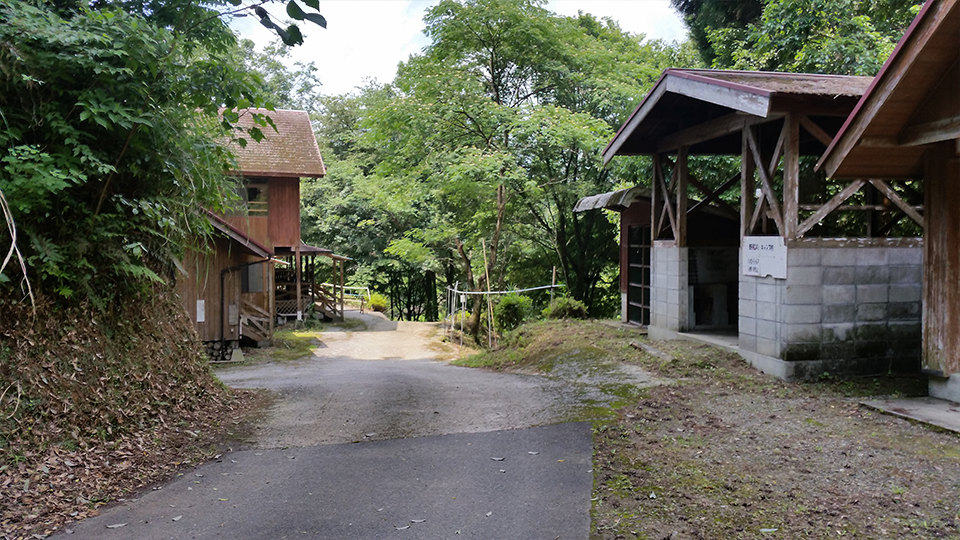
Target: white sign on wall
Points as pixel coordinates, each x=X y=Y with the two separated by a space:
x=764 y=256
x=201 y=311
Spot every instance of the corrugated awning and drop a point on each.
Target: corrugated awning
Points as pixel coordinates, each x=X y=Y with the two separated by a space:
x=615 y=200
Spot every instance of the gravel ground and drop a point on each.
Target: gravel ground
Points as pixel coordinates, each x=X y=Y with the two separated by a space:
x=726 y=452
x=385 y=382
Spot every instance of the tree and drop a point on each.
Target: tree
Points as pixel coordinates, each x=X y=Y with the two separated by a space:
x=110 y=127
x=851 y=37
x=704 y=16
x=493 y=134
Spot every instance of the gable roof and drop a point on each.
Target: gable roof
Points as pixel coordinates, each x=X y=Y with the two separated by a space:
x=291 y=151
x=711 y=106
x=884 y=136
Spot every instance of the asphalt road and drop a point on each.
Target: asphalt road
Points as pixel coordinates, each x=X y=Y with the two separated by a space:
x=372 y=438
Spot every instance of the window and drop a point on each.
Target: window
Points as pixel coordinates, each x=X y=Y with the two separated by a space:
x=251 y=278
x=256 y=196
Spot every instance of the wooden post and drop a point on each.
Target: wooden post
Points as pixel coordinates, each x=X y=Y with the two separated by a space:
x=486 y=272
x=553 y=282
x=297 y=262
x=654 y=214
x=272 y=296
x=682 y=181
x=747 y=185
x=791 y=177
x=342 y=272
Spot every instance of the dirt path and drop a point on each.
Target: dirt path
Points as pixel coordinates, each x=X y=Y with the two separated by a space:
x=385 y=382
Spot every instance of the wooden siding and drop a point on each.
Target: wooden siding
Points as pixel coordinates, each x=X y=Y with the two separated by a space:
x=284 y=213
x=254 y=227
x=941 y=273
x=203 y=283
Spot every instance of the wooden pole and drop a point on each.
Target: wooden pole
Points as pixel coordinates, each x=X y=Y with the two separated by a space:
x=342 y=272
x=682 y=180
x=553 y=283
x=486 y=273
x=747 y=185
x=791 y=178
x=272 y=296
x=297 y=262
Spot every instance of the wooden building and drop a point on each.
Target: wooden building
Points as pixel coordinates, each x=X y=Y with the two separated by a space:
x=712 y=234
x=258 y=270
x=907 y=126
x=801 y=300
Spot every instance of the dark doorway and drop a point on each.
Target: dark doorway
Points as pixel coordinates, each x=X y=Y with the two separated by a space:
x=638 y=280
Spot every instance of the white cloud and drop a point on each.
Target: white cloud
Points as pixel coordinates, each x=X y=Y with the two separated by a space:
x=368 y=38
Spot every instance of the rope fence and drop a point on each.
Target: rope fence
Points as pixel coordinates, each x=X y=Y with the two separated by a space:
x=457 y=297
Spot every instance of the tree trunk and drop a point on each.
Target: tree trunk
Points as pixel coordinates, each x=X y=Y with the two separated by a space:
x=431 y=311
x=473 y=323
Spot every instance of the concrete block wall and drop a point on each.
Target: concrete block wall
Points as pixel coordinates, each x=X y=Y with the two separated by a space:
x=669 y=294
x=846 y=310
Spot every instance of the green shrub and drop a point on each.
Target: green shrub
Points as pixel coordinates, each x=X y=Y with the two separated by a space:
x=565 y=308
x=379 y=302
x=511 y=311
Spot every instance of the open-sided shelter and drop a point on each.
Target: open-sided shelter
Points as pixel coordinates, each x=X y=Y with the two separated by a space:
x=907 y=127
x=235 y=289
x=802 y=299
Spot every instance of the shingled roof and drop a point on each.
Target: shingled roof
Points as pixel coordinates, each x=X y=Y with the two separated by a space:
x=291 y=151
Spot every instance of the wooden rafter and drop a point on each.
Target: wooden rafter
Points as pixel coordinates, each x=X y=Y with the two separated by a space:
x=898 y=201
x=707 y=131
x=812 y=128
x=830 y=206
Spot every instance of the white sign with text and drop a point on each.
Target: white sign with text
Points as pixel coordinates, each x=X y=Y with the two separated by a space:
x=764 y=256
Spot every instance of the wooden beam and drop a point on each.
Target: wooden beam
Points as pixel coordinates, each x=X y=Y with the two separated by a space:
x=860 y=208
x=654 y=227
x=930 y=132
x=895 y=199
x=791 y=177
x=707 y=131
x=769 y=194
x=715 y=195
x=812 y=128
x=830 y=206
x=747 y=186
x=757 y=213
x=683 y=176
x=668 y=205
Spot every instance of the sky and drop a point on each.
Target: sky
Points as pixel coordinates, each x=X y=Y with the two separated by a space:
x=366 y=39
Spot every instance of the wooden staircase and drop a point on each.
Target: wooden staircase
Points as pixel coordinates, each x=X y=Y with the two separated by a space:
x=255 y=323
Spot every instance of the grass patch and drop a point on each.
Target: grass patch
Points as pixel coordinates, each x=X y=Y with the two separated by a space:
x=291 y=345
x=540 y=346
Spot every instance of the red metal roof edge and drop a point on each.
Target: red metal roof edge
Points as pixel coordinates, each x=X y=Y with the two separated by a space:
x=908 y=35
x=616 y=135
x=221 y=224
